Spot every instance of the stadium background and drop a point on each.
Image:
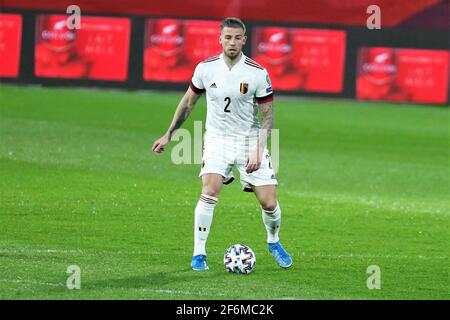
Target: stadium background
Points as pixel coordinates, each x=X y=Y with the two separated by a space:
x=320 y=59
x=361 y=183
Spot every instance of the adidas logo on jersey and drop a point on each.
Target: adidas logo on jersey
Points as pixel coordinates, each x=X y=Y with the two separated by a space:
x=213 y=85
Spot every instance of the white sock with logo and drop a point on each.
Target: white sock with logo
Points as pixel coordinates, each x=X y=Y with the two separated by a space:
x=272 y=222
x=203 y=218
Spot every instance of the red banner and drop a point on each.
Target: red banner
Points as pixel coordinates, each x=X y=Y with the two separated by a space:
x=337 y=12
x=403 y=75
x=301 y=59
x=174 y=47
x=98 y=50
x=10 y=41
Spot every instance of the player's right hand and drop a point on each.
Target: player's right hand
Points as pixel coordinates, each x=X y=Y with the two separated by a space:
x=158 y=145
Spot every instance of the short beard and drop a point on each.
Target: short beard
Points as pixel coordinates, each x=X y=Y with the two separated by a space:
x=238 y=54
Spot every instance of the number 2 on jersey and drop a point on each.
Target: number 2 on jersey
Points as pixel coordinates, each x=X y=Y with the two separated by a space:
x=228 y=100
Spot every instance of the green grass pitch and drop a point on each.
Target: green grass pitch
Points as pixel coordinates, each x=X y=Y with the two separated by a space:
x=360 y=184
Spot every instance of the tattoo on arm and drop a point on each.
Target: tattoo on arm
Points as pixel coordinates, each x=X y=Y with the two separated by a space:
x=179 y=119
x=267 y=110
x=267 y=123
x=183 y=111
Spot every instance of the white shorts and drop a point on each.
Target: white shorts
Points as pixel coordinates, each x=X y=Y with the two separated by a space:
x=221 y=153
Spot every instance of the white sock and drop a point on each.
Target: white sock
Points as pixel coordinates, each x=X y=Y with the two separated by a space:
x=272 y=221
x=203 y=218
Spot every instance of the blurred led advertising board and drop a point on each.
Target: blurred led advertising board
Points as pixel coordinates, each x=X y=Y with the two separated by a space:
x=10 y=42
x=173 y=47
x=99 y=50
x=301 y=59
x=402 y=75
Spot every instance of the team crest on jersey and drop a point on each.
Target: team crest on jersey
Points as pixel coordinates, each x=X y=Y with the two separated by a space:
x=243 y=87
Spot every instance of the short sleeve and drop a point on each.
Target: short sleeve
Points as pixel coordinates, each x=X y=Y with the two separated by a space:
x=264 y=92
x=197 y=83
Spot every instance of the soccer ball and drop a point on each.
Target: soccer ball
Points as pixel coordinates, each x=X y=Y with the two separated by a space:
x=239 y=259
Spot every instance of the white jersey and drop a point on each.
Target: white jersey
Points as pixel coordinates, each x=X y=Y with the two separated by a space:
x=232 y=96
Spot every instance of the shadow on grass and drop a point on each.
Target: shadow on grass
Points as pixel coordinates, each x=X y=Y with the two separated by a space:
x=155 y=279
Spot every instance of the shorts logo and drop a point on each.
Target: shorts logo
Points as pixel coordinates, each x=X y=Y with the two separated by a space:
x=243 y=87
x=203 y=163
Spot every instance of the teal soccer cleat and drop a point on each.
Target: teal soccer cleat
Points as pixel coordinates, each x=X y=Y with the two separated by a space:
x=281 y=256
x=198 y=263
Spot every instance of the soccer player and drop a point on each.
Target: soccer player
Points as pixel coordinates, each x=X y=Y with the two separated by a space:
x=236 y=89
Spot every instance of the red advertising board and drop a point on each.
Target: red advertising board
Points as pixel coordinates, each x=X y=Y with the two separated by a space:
x=403 y=75
x=301 y=59
x=10 y=41
x=337 y=12
x=172 y=48
x=98 y=50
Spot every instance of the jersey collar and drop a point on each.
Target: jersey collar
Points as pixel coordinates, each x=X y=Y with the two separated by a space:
x=241 y=61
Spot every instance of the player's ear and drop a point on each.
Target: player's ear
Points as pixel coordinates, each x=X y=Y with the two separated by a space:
x=244 y=40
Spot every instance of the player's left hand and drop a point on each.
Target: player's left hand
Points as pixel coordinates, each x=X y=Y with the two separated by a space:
x=254 y=161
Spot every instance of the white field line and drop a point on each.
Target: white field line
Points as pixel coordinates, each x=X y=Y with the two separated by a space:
x=163 y=291
x=31 y=250
x=319 y=293
x=150 y=253
x=376 y=203
x=368 y=256
x=180 y=292
x=33 y=282
x=172 y=292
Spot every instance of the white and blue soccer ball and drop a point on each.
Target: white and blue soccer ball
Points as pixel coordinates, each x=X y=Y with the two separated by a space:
x=239 y=258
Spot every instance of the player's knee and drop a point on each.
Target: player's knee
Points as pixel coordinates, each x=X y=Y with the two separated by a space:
x=211 y=192
x=211 y=185
x=268 y=205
